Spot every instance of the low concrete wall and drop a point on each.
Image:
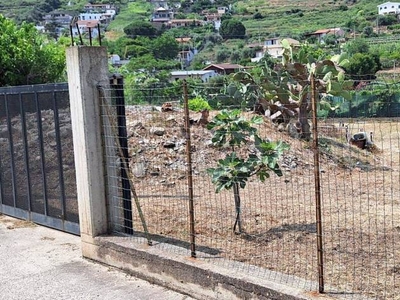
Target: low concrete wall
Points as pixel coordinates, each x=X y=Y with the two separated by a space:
x=194 y=277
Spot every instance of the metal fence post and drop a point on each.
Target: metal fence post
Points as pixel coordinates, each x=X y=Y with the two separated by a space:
x=320 y=256
x=118 y=87
x=189 y=171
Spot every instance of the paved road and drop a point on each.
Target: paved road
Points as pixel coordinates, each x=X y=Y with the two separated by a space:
x=41 y=263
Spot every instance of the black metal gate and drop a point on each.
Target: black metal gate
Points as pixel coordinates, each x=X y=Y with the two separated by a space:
x=37 y=171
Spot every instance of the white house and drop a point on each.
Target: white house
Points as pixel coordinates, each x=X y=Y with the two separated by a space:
x=90 y=16
x=274 y=47
x=161 y=16
x=389 y=8
x=186 y=56
x=222 y=10
x=204 y=75
x=99 y=7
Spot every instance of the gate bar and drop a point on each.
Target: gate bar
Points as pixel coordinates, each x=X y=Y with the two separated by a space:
x=42 y=155
x=59 y=157
x=26 y=152
x=11 y=148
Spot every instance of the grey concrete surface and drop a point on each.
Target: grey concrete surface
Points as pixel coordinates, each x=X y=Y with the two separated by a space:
x=41 y=263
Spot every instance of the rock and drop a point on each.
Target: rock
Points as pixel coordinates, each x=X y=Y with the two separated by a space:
x=281 y=127
x=159 y=131
x=167 y=106
x=293 y=131
x=3 y=132
x=139 y=169
x=155 y=171
x=169 y=144
x=136 y=125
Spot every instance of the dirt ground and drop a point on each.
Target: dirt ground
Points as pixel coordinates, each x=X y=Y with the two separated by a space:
x=359 y=193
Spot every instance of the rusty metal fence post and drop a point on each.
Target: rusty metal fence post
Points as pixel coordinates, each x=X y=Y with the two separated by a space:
x=317 y=178
x=189 y=171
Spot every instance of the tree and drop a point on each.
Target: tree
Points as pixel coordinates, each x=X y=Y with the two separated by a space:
x=386 y=20
x=368 y=31
x=140 y=28
x=232 y=173
x=222 y=55
x=284 y=92
x=356 y=46
x=232 y=29
x=363 y=66
x=26 y=57
x=165 y=47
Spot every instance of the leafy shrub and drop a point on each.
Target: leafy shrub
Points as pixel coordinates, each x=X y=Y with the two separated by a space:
x=198 y=104
x=222 y=55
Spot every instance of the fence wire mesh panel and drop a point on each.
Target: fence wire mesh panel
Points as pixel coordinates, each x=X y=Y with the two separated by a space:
x=157 y=170
x=359 y=145
x=37 y=171
x=269 y=228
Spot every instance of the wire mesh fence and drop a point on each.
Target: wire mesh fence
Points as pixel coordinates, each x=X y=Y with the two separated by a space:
x=358 y=171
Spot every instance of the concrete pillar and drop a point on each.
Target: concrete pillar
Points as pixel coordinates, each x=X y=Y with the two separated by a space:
x=87 y=67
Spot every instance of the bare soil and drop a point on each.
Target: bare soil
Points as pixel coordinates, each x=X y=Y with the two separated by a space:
x=359 y=193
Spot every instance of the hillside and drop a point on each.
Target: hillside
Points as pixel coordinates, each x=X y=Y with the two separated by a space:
x=283 y=18
x=295 y=17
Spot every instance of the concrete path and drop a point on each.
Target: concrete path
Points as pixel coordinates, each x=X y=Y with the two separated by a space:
x=41 y=263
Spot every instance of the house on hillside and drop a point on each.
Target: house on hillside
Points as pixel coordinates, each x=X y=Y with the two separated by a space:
x=61 y=18
x=184 y=40
x=389 y=8
x=184 y=23
x=186 y=56
x=201 y=74
x=322 y=33
x=100 y=8
x=224 y=69
x=222 y=10
x=271 y=46
x=274 y=46
x=213 y=18
x=161 y=16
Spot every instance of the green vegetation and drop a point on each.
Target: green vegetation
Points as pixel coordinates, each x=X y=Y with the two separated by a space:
x=27 y=57
x=231 y=130
x=198 y=104
x=132 y=12
x=294 y=18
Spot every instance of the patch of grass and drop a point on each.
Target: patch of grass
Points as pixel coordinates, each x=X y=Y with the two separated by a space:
x=140 y=10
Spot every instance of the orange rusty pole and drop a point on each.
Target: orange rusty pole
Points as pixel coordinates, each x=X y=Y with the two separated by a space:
x=320 y=253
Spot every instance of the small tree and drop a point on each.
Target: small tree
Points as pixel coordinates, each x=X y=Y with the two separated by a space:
x=232 y=173
x=232 y=29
